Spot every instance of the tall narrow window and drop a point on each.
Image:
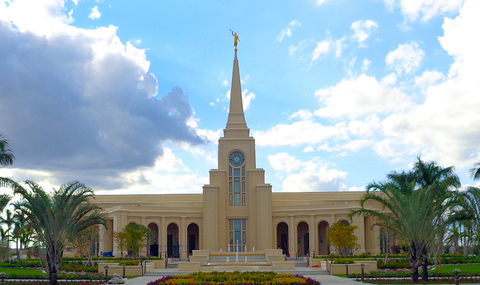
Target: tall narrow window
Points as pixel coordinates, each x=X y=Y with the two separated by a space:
x=236 y=179
x=238 y=235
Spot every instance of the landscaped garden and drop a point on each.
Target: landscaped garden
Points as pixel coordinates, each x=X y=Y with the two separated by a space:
x=71 y=270
x=232 y=278
x=398 y=271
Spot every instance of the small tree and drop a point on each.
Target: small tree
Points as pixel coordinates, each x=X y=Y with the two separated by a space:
x=137 y=238
x=121 y=240
x=341 y=236
x=132 y=238
x=84 y=241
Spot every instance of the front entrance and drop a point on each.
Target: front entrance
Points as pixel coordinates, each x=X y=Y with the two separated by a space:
x=282 y=238
x=193 y=233
x=323 y=245
x=173 y=248
x=303 y=239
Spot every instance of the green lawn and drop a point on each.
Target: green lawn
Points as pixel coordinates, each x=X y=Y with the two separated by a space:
x=470 y=268
x=22 y=272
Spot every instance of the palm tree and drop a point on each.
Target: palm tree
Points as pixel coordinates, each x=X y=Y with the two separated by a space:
x=56 y=216
x=6 y=155
x=469 y=215
x=475 y=171
x=417 y=201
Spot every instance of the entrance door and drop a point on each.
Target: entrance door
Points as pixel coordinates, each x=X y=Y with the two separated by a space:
x=306 y=243
x=170 y=245
x=192 y=240
x=284 y=243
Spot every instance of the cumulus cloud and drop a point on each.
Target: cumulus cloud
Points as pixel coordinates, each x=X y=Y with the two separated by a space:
x=362 y=30
x=287 y=32
x=95 y=14
x=428 y=78
x=299 y=133
x=425 y=9
x=405 y=59
x=76 y=99
x=360 y=96
x=445 y=125
x=306 y=176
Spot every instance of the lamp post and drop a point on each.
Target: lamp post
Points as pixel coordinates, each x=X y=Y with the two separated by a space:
x=456 y=272
x=106 y=274
x=346 y=268
x=363 y=271
x=123 y=276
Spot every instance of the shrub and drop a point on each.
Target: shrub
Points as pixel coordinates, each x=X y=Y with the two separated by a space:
x=129 y=262
x=343 y=260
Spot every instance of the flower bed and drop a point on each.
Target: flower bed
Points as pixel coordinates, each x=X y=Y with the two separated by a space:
x=60 y=282
x=431 y=281
x=230 y=278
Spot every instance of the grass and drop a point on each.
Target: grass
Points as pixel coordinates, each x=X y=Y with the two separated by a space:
x=22 y=272
x=466 y=268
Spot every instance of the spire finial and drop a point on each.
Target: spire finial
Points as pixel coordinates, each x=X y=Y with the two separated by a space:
x=235 y=39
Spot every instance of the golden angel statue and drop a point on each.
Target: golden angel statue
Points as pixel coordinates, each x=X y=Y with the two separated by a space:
x=235 y=39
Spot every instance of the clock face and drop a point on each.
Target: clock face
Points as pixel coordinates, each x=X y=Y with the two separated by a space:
x=237 y=158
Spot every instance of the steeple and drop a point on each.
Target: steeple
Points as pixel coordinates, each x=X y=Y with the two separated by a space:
x=236 y=124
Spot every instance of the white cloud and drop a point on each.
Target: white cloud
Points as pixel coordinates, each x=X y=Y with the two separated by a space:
x=366 y=65
x=362 y=30
x=247 y=98
x=351 y=146
x=445 y=126
x=284 y=162
x=292 y=49
x=428 y=78
x=308 y=149
x=306 y=176
x=360 y=96
x=38 y=17
x=426 y=9
x=96 y=100
x=287 y=32
x=366 y=128
x=95 y=14
x=303 y=114
x=339 y=47
x=405 y=59
x=322 y=48
x=298 y=133
x=320 y=2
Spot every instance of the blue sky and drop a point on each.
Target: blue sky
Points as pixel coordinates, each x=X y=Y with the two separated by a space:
x=132 y=96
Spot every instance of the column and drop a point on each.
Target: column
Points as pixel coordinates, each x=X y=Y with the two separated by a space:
x=183 y=239
x=292 y=237
x=144 y=250
x=313 y=237
x=331 y=222
x=360 y=232
x=163 y=236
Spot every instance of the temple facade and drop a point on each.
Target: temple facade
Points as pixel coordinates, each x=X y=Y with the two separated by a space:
x=237 y=209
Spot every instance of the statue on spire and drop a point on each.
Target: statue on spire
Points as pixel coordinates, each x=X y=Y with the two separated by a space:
x=235 y=39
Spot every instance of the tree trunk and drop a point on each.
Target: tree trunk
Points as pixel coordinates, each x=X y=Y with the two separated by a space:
x=52 y=276
x=414 y=261
x=424 y=263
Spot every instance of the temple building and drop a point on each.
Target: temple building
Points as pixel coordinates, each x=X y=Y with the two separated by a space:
x=237 y=209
